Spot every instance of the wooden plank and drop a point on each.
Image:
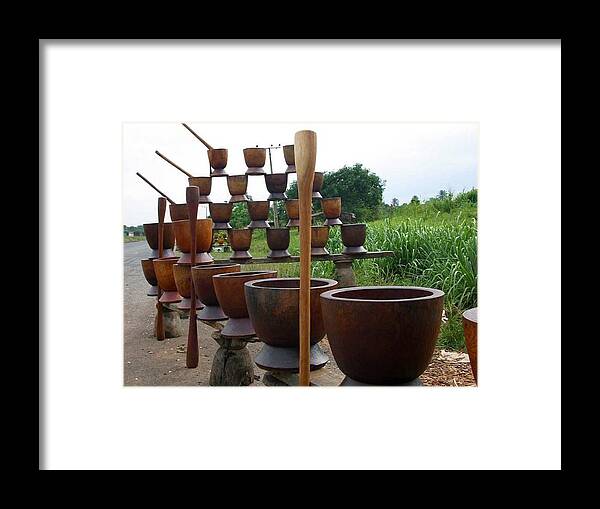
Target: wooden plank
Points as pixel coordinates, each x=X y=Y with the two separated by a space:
x=331 y=257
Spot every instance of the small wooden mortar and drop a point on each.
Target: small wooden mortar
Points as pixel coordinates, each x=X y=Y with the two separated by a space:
x=292 y=208
x=255 y=160
x=220 y=213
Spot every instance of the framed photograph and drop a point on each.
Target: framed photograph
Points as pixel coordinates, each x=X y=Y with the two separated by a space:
x=326 y=255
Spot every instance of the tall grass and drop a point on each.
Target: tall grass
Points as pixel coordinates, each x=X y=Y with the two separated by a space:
x=442 y=256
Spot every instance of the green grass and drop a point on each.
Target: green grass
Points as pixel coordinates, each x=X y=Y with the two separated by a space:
x=451 y=334
x=441 y=255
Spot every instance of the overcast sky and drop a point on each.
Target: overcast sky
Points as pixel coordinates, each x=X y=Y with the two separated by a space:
x=413 y=158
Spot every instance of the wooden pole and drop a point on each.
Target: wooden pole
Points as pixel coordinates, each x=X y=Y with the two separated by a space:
x=305 y=153
x=172 y=163
x=192 y=131
x=162 y=208
x=273 y=203
x=154 y=187
x=191 y=361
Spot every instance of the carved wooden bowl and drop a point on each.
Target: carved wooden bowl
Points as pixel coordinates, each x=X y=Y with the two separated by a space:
x=230 y=294
x=255 y=160
x=204 y=185
x=273 y=307
x=288 y=154
x=259 y=214
x=220 y=213
x=178 y=211
x=183 y=281
x=353 y=238
x=332 y=209
x=382 y=335
x=237 y=185
x=218 y=160
x=292 y=208
x=317 y=184
x=203 y=283
x=151 y=233
x=203 y=240
x=240 y=240
x=278 y=240
x=163 y=268
x=276 y=185
x=148 y=269
x=318 y=240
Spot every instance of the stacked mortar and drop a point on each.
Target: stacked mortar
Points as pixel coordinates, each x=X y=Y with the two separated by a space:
x=278 y=239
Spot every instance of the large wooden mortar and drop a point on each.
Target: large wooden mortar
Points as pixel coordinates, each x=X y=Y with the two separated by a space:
x=183 y=281
x=203 y=240
x=148 y=269
x=229 y=289
x=151 y=233
x=382 y=335
x=205 y=290
x=273 y=307
x=163 y=268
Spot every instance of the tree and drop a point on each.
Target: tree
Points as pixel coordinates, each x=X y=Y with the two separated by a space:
x=395 y=202
x=361 y=191
x=240 y=218
x=415 y=200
